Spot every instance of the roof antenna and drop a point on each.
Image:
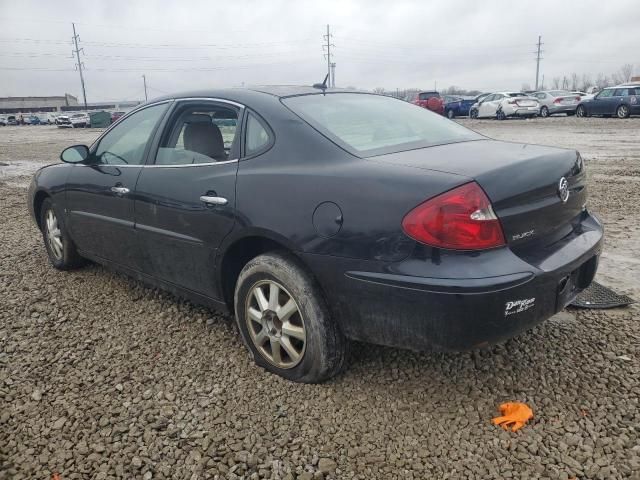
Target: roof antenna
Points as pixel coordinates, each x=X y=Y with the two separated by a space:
x=322 y=86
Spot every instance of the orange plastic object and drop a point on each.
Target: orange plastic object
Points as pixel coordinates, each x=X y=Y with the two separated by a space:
x=514 y=416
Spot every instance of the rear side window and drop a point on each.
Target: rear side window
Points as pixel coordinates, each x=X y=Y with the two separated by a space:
x=199 y=134
x=621 y=92
x=257 y=137
x=368 y=125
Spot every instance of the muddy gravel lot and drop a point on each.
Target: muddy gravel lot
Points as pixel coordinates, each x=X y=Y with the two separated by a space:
x=101 y=377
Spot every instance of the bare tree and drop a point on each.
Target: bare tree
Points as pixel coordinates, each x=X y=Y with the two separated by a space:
x=525 y=87
x=379 y=90
x=602 y=81
x=585 y=82
x=625 y=72
x=574 y=81
x=555 y=83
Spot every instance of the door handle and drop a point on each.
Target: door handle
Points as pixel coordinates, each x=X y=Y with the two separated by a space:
x=120 y=190
x=214 y=200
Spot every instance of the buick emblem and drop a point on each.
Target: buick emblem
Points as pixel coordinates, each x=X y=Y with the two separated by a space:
x=563 y=190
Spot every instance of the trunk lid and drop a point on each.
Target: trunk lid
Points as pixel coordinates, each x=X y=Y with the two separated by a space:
x=522 y=181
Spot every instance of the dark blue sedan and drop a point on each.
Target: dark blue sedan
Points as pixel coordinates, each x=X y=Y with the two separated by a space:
x=621 y=101
x=316 y=217
x=455 y=106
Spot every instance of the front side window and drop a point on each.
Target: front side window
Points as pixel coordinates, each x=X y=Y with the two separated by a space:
x=605 y=94
x=125 y=143
x=257 y=137
x=199 y=134
x=369 y=125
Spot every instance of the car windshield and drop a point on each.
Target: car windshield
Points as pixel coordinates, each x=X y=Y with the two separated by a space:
x=517 y=94
x=369 y=125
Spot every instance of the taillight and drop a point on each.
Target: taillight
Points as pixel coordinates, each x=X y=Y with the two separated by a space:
x=460 y=219
x=578 y=98
x=557 y=100
x=512 y=102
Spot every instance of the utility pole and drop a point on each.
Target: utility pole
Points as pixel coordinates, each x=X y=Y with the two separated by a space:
x=328 y=46
x=144 y=79
x=538 y=58
x=79 y=65
x=333 y=74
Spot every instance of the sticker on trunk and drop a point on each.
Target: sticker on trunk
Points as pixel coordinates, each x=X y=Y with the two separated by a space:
x=518 y=306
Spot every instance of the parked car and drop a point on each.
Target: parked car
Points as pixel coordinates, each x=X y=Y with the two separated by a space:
x=11 y=120
x=503 y=105
x=3 y=121
x=116 y=115
x=431 y=101
x=64 y=121
x=557 y=101
x=80 y=120
x=457 y=106
x=31 y=120
x=621 y=101
x=317 y=217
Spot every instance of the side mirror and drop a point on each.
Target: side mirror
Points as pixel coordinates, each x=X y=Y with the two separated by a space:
x=75 y=154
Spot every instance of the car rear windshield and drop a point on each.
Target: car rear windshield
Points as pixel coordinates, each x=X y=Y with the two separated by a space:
x=368 y=125
x=428 y=95
x=560 y=93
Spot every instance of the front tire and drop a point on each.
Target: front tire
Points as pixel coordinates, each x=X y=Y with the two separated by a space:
x=61 y=250
x=284 y=320
x=500 y=115
x=581 y=111
x=451 y=114
x=473 y=113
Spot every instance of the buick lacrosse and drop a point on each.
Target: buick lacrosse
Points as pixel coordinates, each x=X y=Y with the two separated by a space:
x=320 y=216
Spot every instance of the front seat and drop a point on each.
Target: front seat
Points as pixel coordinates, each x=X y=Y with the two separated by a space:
x=205 y=138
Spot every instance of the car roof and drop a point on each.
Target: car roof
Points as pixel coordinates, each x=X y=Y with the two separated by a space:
x=242 y=94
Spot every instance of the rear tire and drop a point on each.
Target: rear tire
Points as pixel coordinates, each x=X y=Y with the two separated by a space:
x=284 y=320
x=622 y=111
x=450 y=114
x=544 y=112
x=500 y=115
x=61 y=250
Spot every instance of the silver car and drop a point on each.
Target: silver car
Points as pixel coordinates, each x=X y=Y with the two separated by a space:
x=557 y=101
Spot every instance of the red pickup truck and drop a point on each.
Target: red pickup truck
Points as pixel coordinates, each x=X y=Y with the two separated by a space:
x=431 y=101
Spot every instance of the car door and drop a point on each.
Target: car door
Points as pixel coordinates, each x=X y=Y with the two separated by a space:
x=486 y=107
x=601 y=104
x=185 y=199
x=100 y=206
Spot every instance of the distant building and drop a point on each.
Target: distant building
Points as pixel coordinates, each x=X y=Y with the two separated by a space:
x=36 y=104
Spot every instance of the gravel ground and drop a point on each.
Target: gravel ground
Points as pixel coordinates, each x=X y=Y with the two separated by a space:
x=101 y=377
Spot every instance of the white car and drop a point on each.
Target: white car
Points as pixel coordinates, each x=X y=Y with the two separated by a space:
x=503 y=105
x=80 y=120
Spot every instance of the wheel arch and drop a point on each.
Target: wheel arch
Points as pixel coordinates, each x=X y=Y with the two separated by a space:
x=38 y=199
x=240 y=250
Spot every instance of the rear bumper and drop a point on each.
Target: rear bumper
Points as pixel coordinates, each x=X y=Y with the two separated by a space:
x=522 y=112
x=456 y=300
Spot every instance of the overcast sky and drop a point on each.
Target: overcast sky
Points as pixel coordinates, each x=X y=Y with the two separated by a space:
x=183 y=45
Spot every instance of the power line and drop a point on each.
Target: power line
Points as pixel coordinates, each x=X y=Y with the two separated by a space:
x=80 y=65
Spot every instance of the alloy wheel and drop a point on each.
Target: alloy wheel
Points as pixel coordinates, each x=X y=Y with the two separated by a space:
x=580 y=112
x=450 y=114
x=623 y=111
x=275 y=324
x=53 y=234
x=544 y=112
